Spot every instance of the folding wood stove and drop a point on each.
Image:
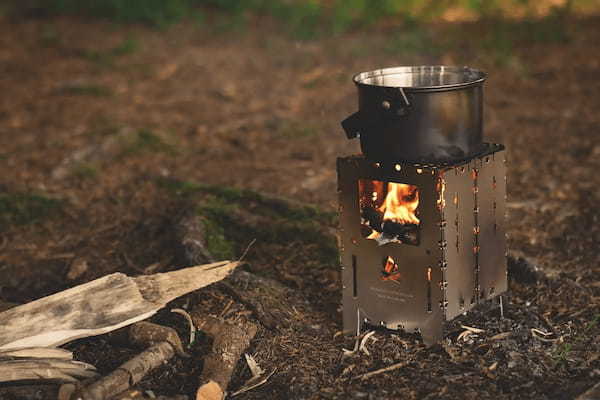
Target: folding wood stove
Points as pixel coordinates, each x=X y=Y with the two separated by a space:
x=420 y=242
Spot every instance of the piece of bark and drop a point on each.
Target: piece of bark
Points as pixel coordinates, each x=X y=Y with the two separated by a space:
x=36 y=369
x=144 y=333
x=267 y=298
x=191 y=239
x=101 y=306
x=129 y=373
x=229 y=343
x=37 y=352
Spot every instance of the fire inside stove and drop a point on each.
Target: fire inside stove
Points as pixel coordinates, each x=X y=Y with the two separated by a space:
x=389 y=211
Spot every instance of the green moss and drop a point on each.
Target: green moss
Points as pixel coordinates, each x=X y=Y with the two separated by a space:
x=282 y=229
x=107 y=58
x=249 y=199
x=217 y=245
x=25 y=208
x=85 y=171
x=145 y=140
x=88 y=90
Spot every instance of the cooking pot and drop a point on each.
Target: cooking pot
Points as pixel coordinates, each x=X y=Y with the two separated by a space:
x=418 y=113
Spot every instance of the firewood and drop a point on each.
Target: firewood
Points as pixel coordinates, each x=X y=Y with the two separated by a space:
x=191 y=239
x=30 y=369
x=101 y=306
x=146 y=333
x=229 y=343
x=129 y=373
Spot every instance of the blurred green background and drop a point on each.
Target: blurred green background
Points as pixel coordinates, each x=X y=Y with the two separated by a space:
x=308 y=18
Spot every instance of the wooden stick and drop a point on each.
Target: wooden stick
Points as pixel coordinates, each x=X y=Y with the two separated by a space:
x=382 y=370
x=129 y=373
x=230 y=341
x=101 y=306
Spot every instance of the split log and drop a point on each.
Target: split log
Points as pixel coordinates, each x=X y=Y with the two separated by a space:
x=191 y=240
x=44 y=369
x=101 y=306
x=42 y=364
x=129 y=373
x=230 y=342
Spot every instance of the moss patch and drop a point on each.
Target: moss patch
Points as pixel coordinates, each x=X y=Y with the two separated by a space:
x=146 y=140
x=25 y=208
x=291 y=239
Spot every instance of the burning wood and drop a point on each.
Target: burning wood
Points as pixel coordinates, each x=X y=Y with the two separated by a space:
x=389 y=211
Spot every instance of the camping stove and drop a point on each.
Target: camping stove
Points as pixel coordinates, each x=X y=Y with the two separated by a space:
x=422 y=230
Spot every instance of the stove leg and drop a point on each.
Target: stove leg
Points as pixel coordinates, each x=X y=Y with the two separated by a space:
x=432 y=334
x=501 y=308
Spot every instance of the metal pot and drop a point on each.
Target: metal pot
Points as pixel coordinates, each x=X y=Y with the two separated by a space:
x=418 y=113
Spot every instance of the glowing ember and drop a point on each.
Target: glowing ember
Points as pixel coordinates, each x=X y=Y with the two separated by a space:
x=390 y=270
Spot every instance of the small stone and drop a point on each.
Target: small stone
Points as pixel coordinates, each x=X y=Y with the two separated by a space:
x=78 y=267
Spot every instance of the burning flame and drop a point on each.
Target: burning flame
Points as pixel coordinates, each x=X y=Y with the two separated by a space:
x=390 y=270
x=400 y=204
x=389 y=211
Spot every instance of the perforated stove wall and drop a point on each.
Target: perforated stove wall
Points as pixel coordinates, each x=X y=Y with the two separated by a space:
x=460 y=256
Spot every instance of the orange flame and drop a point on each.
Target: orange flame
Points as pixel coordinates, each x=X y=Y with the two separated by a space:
x=401 y=203
x=390 y=270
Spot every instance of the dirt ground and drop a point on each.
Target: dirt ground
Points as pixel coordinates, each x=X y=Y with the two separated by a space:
x=96 y=117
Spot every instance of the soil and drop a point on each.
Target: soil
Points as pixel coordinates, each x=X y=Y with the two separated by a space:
x=109 y=133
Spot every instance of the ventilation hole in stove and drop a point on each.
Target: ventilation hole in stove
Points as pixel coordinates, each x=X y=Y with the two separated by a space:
x=354 y=282
x=429 y=289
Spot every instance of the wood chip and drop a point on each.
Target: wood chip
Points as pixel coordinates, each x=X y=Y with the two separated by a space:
x=501 y=336
x=383 y=370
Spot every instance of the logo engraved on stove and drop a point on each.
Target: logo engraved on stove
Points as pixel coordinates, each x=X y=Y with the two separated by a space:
x=393 y=295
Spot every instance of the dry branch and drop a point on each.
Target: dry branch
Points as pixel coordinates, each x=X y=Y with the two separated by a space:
x=101 y=306
x=383 y=370
x=230 y=342
x=145 y=333
x=129 y=373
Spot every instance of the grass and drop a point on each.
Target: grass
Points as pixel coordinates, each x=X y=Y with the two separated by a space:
x=298 y=234
x=305 y=19
x=87 y=90
x=146 y=141
x=107 y=58
x=25 y=208
x=85 y=171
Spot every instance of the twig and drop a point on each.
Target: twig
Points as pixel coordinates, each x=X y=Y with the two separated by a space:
x=254 y=385
x=382 y=370
x=189 y=320
x=363 y=343
x=247 y=249
x=129 y=373
x=543 y=336
x=144 y=334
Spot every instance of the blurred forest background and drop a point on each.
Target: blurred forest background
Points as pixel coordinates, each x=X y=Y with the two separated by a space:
x=118 y=115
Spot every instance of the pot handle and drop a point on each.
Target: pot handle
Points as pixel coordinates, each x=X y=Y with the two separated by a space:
x=353 y=125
